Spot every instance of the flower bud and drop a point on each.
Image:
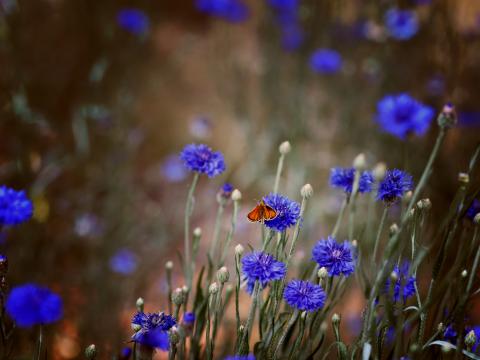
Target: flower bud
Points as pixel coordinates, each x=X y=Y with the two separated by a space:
x=213 y=288
x=424 y=204
x=285 y=148
x=169 y=265
x=414 y=348
x=470 y=339
x=139 y=304
x=174 y=335
x=476 y=219
x=136 y=327
x=447 y=118
x=394 y=276
x=178 y=296
x=223 y=275
x=197 y=232
x=464 y=273
x=239 y=249
x=360 y=163
x=463 y=178
x=441 y=327
x=379 y=171
x=236 y=195
x=303 y=315
x=322 y=273
x=354 y=243
x=407 y=196
x=335 y=319
x=185 y=289
x=91 y=352
x=393 y=229
x=306 y=191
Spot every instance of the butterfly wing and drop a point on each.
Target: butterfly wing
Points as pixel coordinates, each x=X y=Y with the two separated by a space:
x=269 y=213
x=256 y=214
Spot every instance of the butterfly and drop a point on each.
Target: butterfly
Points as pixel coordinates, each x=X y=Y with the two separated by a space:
x=261 y=213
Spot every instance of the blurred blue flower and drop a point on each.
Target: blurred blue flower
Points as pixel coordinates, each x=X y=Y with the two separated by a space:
x=230 y=10
x=469 y=118
x=200 y=158
x=401 y=24
x=288 y=212
x=450 y=334
x=123 y=262
x=304 y=295
x=88 y=224
x=226 y=190
x=152 y=329
x=15 y=207
x=325 y=61
x=125 y=353
x=201 y=127
x=262 y=267
x=394 y=185
x=292 y=37
x=132 y=20
x=173 y=169
x=473 y=210
x=240 y=357
x=284 y=5
x=404 y=285
x=31 y=304
x=189 y=318
x=343 y=178
x=337 y=258
x=286 y=14
x=401 y=115
x=436 y=85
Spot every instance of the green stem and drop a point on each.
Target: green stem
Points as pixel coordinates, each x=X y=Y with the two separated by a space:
x=216 y=231
x=353 y=205
x=340 y=217
x=231 y=232
x=237 y=291
x=292 y=321
x=40 y=342
x=279 y=172
x=379 y=234
x=188 y=213
x=296 y=231
x=251 y=318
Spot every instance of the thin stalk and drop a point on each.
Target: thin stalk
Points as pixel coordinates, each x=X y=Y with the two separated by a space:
x=40 y=342
x=216 y=230
x=279 y=172
x=340 y=217
x=296 y=231
x=237 y=291
x=251 y=317
x=230 y=234
x=379 y=233
x=291 y=322
x=208 y=348
x=299 y=338
x=217 y=314
x=188 y=213
x=353 y=205
x=473 y=272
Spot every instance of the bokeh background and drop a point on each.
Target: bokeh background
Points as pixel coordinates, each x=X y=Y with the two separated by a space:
x=99 y=97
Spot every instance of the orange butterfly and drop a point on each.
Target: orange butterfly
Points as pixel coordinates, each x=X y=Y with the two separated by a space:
x=261 y=213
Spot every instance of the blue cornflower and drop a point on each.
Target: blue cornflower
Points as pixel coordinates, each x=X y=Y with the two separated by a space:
x=152 y=329
x=337 y=258
x=226 y=190
x=286 y=14
x=343 y=178
x=473 y=210
x=401 y=24
x=325 y=61
x=262 y=267
x=15 y=207
x=288 y=212
x=31 y=304
x=189 y=318
x=134 y=21
x=123 y=262
x=201 y=159
x=304 y=295
x=240 y=357
x=450 y=334
x=173 y=169
x=404 y=285
x=230 y=10
x=394 y=185
x=402 y=115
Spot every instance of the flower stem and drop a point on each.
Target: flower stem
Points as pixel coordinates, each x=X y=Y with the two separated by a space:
x=188 y=213
x=216 y=231
x=292 y=320
x=296 y=231
x=230 y=234
x=279 y=172
x=340 y=217
x=40 y=342
x=379 y=234
x=251 y=317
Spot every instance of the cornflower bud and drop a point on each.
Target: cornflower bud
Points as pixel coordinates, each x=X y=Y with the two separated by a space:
x=306 y=191
x=360 y=163
x=139 y=304
x=284 y=148
x=223 y=275
x=236 y=195
x=322 y=273
x=197 y=232
x=169 y=265
x=463 y=178
x=464 y=273
x=393 y=229
x=239 y=249
x=476 y=219
x=174 y=335
x=91 y=352
x=335 y=319
x=470 y=339
x=447 y=118
x=379 y=171
x=213 y=288
x=178 y=296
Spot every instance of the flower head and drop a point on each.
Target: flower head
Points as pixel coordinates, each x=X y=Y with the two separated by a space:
x=401 y=115
x=304 y=295
x=226 y=191
x=153 y=329
x=230 y=10
x=325 y=61
x=394 y=185
x=15 y=207
x=404 y=285
x=262 y=267
x=201 y=159
x=123 y=262
x=337 y=258
x=31 y=304
x=288 y=212
x=343 y=178
x=134 y=21
x=401 y=24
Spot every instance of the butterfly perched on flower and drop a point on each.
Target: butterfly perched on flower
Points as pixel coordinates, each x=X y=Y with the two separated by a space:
x=262 y=212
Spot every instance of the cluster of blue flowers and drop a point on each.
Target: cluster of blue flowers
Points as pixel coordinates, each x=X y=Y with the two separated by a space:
x=151 y=329
x=203 y=160
x=15 y=207
x=326 y=61
x=230 y=10
x=288 y=20
x=343 y=178
x=288 y=212
x=401 y=24
x=133 y=20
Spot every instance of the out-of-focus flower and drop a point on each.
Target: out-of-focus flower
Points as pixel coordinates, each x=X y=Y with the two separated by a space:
x=304 y=295
x=153 y=329
x=15 y=207
x=234 y=11
x=469 y=118
x=394 y=185
x=436 y=85
x=240 y=357
x=173 y=169
x=31 y=304
x=288 y=212
x=123 y=262
x=133 y=20
x=226 y=190
x=201 y=159
x=88 y=225
x=125 y=353
x=401 y=24
x=473 y=210
x=201 y=127
x=326 y=61
x=337 y=258
x=343 y=178
x=401 y=115
x=450 y=334
x=189 y=318
x=404 y=286
x=286 y=13
x=262 y=267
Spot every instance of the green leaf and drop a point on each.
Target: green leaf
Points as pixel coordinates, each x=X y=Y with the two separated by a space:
x=451 y=346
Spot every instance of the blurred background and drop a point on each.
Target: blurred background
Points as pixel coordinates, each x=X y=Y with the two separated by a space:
x=99 y=97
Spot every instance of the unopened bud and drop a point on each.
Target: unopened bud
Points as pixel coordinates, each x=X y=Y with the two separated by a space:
x=411 y=213
x=393 y=229
x=414 y=348
x=306 y=191
x=441 y=327
x=354 y=243
x=379 y=171
x=447 y=118
x=394 y=276
x=174 y=335
x=169 y=265
x=463 y=178
x=223 y=275
x=213 y=288
x=236 y=195
x=464 y=273
x=185 y=289
x=139 y=304
x=322 y=272
x=304 y=314
x=239 y=249
x=407 y=196
x=476 y=219
x=91 y=352
x=178 y=296
x=197 y=232
x=360 y=163
x=335 y=319
x=424 y=204
x=470 y=339
x=285 y=148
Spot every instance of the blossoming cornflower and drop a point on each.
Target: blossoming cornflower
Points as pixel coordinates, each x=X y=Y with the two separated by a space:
x=123 y=262
x=394 y=185
x=15 y=207
x=152 y=329
x=288 y=212
x=134 y=21
x=262 y=267
x=31 y=304
x=402 y=115
x=404 y=286
x=230 y=10
x=337 y=258
x=201 y=159
x=325 y=61
x=304 y=295
x=343 y=178
x=473 y=210
x=401 y=24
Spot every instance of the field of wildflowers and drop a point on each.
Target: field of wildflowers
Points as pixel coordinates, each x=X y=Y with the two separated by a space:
x=231 y=179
